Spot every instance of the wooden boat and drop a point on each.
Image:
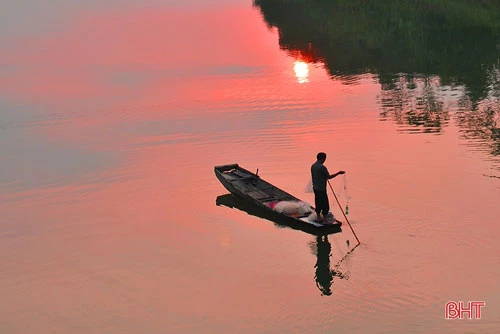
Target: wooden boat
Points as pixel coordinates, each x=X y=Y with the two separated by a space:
x=249 y=187
x=231 y=201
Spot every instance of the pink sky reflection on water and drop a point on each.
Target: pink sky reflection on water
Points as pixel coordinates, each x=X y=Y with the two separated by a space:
x=132 y=67
x=166 y=95
x=76 y=62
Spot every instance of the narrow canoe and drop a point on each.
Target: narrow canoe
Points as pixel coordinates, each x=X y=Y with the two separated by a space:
x=275 y=203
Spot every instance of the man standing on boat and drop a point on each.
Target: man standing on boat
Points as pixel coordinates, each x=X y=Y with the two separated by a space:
x=320 y=176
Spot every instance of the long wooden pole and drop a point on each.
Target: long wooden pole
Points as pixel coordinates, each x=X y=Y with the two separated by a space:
x=359 y=242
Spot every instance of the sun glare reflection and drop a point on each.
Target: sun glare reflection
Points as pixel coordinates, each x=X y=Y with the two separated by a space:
x=301 y=70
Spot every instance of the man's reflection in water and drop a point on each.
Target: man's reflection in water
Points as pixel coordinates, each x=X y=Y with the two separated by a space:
x=324 y=275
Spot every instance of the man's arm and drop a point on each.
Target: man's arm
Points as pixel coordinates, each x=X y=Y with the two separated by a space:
x=338 y=173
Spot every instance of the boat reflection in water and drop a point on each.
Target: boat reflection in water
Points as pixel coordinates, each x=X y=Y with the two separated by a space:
x=232 y=201
x=324 y=274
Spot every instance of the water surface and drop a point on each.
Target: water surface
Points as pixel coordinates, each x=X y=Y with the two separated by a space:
x=113 y=116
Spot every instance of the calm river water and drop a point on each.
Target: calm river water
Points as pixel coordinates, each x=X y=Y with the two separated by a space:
x=113 y=115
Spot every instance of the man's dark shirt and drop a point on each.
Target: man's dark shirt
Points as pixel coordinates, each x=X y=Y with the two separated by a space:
x=319 y=176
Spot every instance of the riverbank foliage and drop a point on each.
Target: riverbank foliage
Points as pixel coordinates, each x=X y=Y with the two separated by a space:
x=459 y=40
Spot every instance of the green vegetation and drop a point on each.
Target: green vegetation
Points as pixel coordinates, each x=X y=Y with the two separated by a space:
x=455 y=39
x=406 y=44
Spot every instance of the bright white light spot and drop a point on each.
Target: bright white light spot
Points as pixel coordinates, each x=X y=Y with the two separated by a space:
x=301 y=71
